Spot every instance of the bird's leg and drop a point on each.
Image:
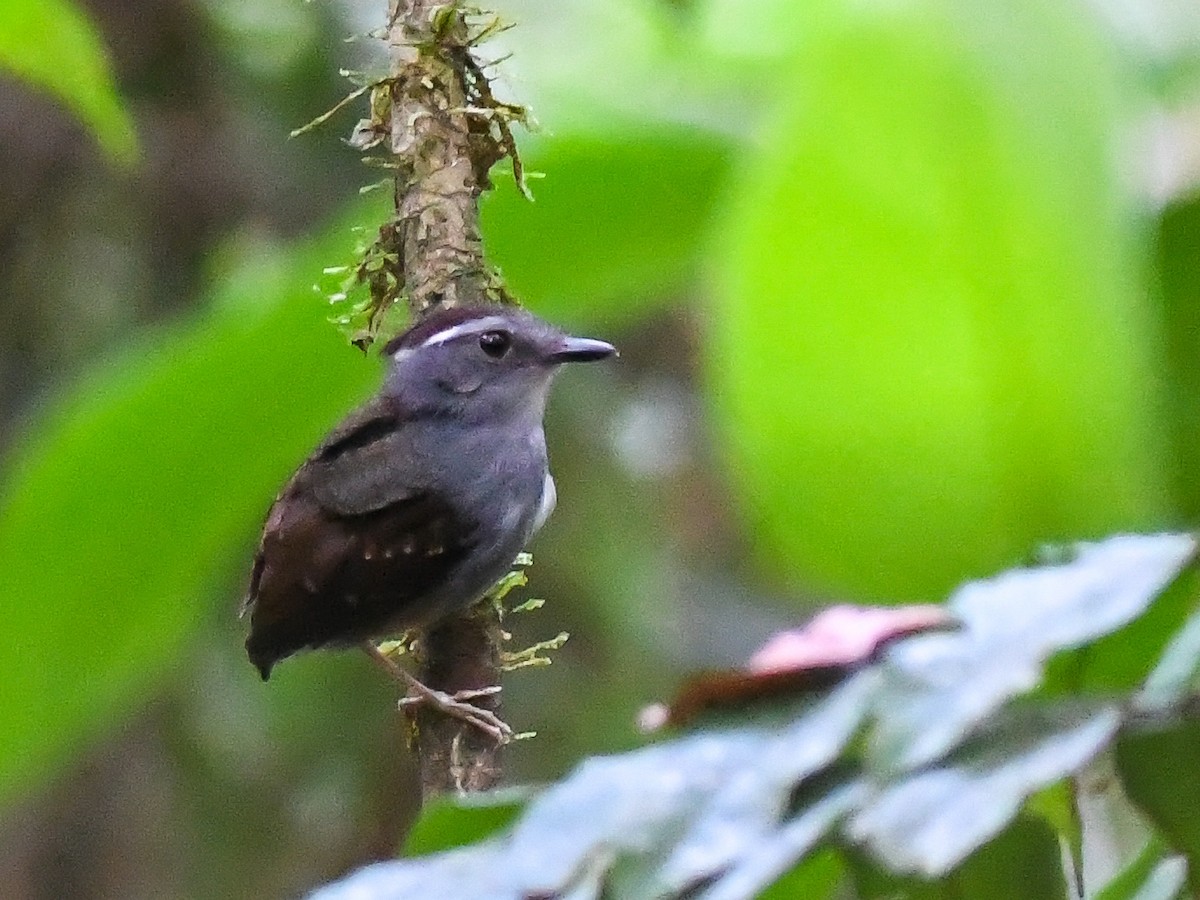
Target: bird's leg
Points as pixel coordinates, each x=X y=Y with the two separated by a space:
x=454 y=705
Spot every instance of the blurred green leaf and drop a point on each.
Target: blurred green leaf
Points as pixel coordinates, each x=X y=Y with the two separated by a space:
x=1161 y=45
x=595 y=65
x=452 y=821
x=52 y=45
x=1177 y=247
x=1161 y=774
x=931 y=350
x=1177 y=675
x=1022 y=861
x=619 y=220
x=634 y=159
x=129 y=493
x=1154 y=875
x=1056 y=805
x=751 y=36
x=1124 y=659
x=816 y=878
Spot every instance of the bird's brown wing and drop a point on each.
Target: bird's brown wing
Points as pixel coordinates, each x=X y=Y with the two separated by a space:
x=342 y=558
x=360 y=467
x=335 y=455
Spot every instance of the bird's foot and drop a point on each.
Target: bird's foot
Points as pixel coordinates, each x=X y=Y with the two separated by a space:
x=454 y=705
x=458 y=707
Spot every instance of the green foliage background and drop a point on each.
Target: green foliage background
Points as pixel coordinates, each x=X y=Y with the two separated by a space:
x=901 y=276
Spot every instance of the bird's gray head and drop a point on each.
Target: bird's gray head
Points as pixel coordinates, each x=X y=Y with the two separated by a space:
x=484 y=363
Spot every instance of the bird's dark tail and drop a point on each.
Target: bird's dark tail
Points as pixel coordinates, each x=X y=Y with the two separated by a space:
x=262 y=657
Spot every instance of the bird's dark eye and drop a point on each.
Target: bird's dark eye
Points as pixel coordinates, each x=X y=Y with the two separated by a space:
x=495 y=343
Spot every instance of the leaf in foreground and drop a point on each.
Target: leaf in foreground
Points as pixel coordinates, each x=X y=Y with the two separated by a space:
x=723 y=812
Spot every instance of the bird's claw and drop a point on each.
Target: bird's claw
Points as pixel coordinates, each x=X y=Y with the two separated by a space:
x=453 y=705
x=457 y=706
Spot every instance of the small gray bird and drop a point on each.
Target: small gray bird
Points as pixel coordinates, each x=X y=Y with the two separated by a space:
x=421 y=499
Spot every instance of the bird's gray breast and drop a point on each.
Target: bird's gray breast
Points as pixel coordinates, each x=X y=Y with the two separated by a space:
x=500 y=481
x=513 y=487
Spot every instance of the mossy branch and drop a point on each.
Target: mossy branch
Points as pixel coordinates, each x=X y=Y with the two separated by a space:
x=437 y=115
x=441 y=129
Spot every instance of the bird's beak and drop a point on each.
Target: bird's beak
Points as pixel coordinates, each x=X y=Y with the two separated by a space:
x=574 y=349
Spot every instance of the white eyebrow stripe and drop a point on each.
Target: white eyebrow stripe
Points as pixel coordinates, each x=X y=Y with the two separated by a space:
x=473 y=327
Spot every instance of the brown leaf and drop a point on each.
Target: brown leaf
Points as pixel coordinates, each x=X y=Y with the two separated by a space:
x=816 y=656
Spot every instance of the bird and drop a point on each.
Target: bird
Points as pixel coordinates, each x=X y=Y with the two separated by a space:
x=420 y=499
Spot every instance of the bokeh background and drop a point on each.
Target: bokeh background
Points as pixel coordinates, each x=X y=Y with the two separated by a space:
x=903 y=290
